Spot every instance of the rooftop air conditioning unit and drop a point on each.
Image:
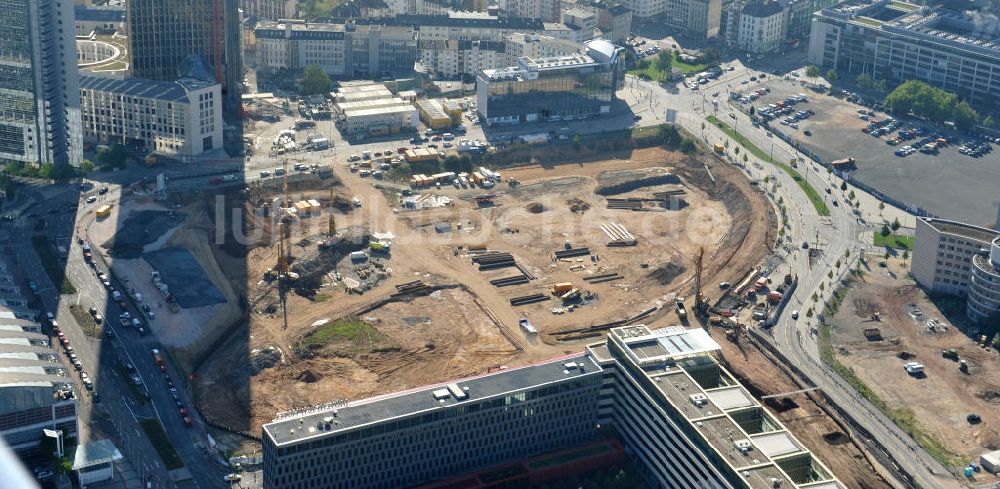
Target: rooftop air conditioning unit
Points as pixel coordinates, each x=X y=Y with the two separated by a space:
x=699 y=399
x=743 y=445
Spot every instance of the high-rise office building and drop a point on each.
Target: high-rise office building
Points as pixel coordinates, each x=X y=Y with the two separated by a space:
x=39 y=88
x=162 y=33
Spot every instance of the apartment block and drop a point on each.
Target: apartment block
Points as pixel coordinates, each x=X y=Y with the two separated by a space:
x=39 y=89
x=269 y=9
x=342 y=49
x=761 y=26
x=455 y=59
x=895 y=40
x=181 y=118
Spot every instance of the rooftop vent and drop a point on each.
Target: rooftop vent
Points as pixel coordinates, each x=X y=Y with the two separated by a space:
x=569 y=365
x=699 y=399
x=743 y=445
x=457 y=392
x=441 y=394
x=775 y=483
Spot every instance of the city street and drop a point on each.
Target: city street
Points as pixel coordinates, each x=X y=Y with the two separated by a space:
x=835 y=235
x=103 y=357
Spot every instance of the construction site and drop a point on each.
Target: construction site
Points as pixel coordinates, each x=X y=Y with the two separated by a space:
x=886 y=323
x=313 y=290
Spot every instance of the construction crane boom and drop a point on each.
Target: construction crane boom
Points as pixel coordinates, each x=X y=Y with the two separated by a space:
x=698 y=298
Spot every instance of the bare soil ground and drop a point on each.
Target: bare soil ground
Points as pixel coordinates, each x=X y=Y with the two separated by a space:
x=943 y=398
x=451 y=333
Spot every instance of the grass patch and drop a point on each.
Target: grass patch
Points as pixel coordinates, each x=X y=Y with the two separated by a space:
x=86 y=321
x=137 y=394
x=158 y=437
x=903 y=417
x=53 y=267
x=811 y=193
x=894 y=241
x=649 y=70
x=321 y=297
x=348 y=335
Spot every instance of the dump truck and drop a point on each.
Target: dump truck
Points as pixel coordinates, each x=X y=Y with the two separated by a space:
x=103 y=211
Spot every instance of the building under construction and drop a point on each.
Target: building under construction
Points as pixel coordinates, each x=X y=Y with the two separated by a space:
x=163 y=33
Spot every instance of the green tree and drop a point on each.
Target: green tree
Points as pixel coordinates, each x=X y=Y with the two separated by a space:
x=315 y=81
x=906 y=255
x=663 y=64
x=881 y=84
x=86 y=166
x=865 y=81
x=931 y=102
x=988 y=121
x=576 y=142
x=832 y=75
x=843 y=185
x=895 y=224
x=812 y=71
x=113 y=156
x=851 y=195
x=745 y=158
x=885 y=230
x=687 y=147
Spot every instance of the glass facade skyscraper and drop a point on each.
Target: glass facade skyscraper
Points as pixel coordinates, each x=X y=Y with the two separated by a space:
x=548 y=89
x=162 y=33
x=39 y=87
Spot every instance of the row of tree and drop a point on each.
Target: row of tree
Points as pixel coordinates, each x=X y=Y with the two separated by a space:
x=931 y=102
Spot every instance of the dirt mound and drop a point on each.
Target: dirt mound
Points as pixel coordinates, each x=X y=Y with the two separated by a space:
x=535 y=208
x=577 y=205
x=308 y=376
x=905 y=355
x=667 y=272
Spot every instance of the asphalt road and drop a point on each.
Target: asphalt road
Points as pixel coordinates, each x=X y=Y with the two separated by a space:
x=100 y=355
x=834 y=235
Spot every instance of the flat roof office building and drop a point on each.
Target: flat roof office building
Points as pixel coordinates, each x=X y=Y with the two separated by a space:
x=687 y=421
x=435 y=432
x=942 y=253
x=896 y=40
x=181 y=118
x=547 y=89
x=983 y=302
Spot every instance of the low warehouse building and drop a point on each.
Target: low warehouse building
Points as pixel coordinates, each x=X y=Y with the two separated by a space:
x=380 y=121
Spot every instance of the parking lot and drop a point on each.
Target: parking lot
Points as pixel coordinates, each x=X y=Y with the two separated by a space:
x=944 y=182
